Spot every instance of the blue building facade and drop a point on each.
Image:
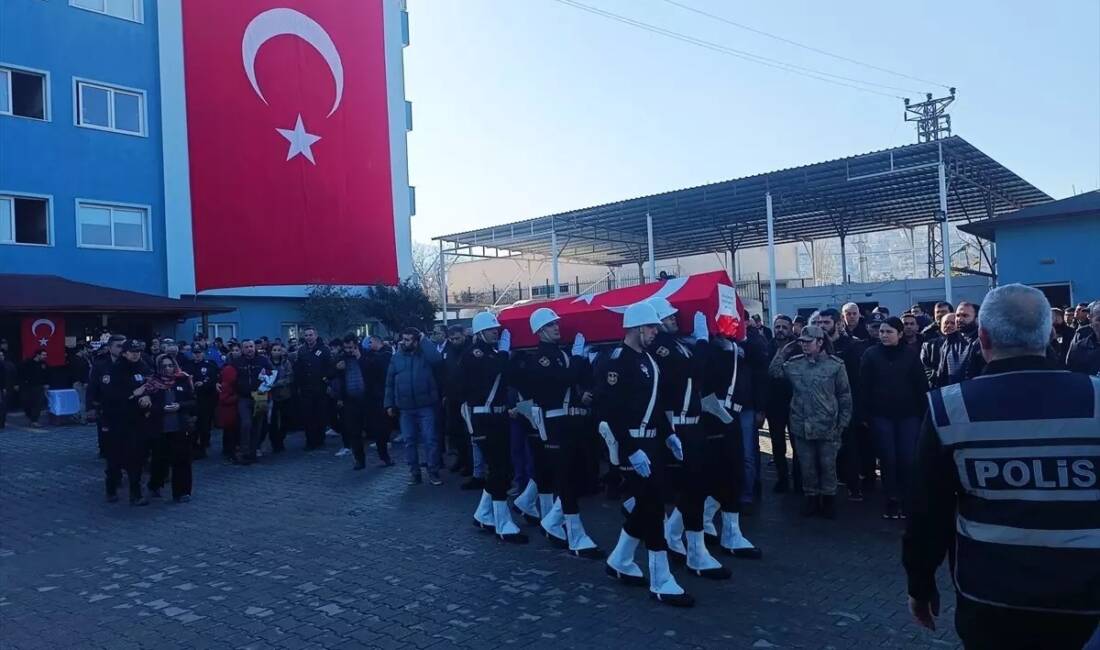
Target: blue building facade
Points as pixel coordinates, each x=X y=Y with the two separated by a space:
x=83 y=153
x=90 y=163
x=1049 y=246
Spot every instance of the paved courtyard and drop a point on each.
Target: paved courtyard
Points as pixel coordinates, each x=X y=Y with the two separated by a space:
x=301 y=552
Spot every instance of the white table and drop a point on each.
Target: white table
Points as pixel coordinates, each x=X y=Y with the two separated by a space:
x=63 y=402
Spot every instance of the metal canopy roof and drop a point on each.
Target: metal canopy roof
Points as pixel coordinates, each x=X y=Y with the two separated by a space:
x=892 y=188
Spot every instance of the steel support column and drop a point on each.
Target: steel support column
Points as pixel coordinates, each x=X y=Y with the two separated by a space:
x=554 y=262
x=773 y=298
x=649 y=242
x=843 y=260
x=443 y=281
x=945 y=235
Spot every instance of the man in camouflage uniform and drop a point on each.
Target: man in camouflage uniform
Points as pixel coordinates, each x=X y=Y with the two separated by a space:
x=821 y=408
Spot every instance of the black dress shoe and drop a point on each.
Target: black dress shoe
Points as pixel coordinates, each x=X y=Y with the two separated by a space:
x=487 y=527
x=625 y=578
x=710 y=539
x=750 y=553
x=139 y=501
x=810 y=505
x=828 y=506
x=593 y=553
x=360 y=465
x=717 y=573
x=513 y=538
x=556 y=542
x=781 y=487
x=674 y=600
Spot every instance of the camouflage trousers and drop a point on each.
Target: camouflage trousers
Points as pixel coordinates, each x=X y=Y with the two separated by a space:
x=817 y=460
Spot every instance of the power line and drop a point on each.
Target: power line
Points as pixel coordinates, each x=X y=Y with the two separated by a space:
x=802 y=45
x=820 y=75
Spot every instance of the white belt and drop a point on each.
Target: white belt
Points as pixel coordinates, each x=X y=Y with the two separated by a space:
x=642 y=433
x=480 y=410
x=563 y=412
x=677 y=419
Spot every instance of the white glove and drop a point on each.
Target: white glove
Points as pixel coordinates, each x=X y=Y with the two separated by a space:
x=612 y=444
x=640 y=462
x=505 y=342
x=700 y=333
x=675 y=446
x=578 y=345
x=711 y=405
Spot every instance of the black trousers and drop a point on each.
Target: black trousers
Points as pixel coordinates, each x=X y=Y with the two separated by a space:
x=984 y=627
x=568 y=434
x=4 y=415
x=457 y=436
x=32 y=402
x=352 y=419
x=647 y=520
x=691 y=486
x=378 y=427
x=314 y=418
x=491 y=435
x=850 y=460
x=723 y=466
x=278 y=425
x=125 y=450
x=171 y=452
x=204 y=419
x=778 y=420
x=545 y=457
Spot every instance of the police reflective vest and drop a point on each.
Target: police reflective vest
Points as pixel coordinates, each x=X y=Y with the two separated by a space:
x=1026 y=447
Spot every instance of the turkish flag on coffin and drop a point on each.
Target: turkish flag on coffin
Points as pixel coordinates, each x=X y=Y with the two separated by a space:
x=288 y=138
x=44 y=331
x=600 y=316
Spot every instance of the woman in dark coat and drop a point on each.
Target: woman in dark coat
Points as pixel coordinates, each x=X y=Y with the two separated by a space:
x=168 y=404
x=894 y=387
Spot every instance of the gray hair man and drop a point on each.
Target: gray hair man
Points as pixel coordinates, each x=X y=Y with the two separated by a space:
x=1006 y=477
x=1084 y=349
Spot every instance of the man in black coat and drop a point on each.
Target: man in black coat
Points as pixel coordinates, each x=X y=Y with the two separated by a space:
x=312 y=369
x=377 y=422
x=32 y=382
x=204 y=374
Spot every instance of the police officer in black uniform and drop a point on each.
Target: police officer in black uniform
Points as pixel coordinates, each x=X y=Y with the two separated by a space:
x=681 y=362
x=98 y=379
x=725 y=364
x=484 y=368
x=127 y=447
x=204 y=374
x=1005 y=484
x=558 y=385
x=635 y=432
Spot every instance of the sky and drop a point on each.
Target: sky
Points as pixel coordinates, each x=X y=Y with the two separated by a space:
x=523 y=108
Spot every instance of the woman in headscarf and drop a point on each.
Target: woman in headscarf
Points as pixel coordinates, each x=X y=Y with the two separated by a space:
x=168 y=404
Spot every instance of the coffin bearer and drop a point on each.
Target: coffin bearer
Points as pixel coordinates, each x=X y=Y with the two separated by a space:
x=557 y=383
x=635 y=432
x=484 y=366
x=680 y=361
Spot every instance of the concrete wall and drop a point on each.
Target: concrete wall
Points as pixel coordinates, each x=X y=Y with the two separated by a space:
x=1052 y=253
x=253 y=318
x=65 y=162
x=896 y=295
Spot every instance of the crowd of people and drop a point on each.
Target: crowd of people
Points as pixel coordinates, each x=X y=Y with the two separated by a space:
x=667 y=420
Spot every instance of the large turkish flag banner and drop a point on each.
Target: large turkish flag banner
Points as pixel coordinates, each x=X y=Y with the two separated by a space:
x=288 y=137
x=44 y=331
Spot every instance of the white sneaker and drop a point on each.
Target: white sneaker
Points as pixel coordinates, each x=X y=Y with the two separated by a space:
x=344 y=451
x=332 y=433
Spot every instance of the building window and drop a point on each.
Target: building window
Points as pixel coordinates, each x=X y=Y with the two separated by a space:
x=112 y=226
x=546 y=290
x=109 y=108
x=23 y=93
x=125 y=9
x=24 y=220
x=225 y=331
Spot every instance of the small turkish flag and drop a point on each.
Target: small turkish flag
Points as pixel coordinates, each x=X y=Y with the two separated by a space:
x=44 y=331
x=288 y=139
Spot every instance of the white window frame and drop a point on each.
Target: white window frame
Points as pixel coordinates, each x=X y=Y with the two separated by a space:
x=147 y=227
x=143 y=113
x=11 y=194
x=212 y=331
x=46 y=103
x=139 y=18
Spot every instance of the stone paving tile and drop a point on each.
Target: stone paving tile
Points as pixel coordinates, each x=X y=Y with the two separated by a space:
x=300 y=552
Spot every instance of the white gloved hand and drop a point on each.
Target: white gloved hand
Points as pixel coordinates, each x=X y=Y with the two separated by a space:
x=675 y=446
x=504 y=344
x=641 y=463
x=578 y=345
x=700 y=333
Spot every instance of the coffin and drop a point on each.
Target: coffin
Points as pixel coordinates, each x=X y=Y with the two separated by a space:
x=599 y=316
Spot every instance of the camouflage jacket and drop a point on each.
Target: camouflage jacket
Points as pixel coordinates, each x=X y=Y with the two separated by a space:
x=821 y=405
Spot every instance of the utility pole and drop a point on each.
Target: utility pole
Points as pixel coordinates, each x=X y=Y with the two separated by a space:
x=933 y=122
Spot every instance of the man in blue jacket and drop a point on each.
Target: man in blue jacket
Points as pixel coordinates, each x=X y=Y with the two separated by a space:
x=411 y=391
